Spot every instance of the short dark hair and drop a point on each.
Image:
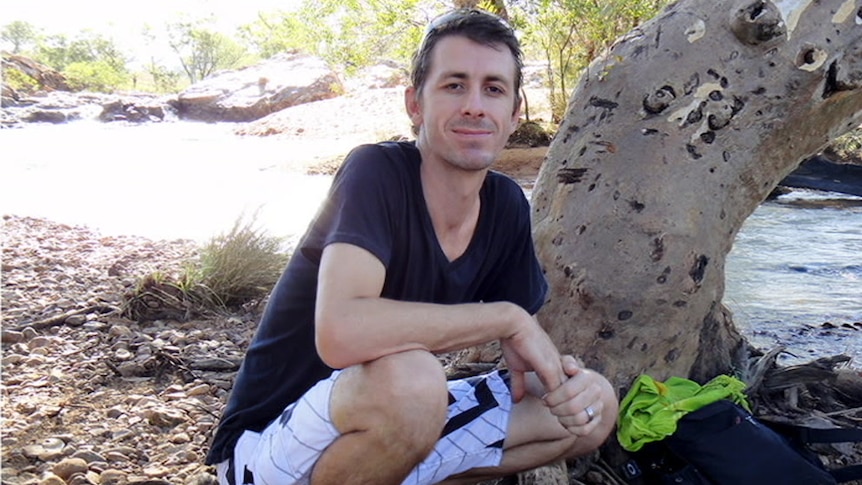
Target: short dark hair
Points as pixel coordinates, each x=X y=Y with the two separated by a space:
x=477 y=25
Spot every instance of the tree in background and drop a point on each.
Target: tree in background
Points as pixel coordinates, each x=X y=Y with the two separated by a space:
x=89 y=61
x=568 y=34
x=348 y=34
x=19 y=35
x=203 y=50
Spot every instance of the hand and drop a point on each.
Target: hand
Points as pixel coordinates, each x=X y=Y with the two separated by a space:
x=577 y=403
x=530 y=349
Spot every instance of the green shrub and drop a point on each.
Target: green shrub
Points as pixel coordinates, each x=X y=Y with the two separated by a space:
x=19 y=81
x=97 y=76
x=848 y=147
x=233 y=269
x=240 y=266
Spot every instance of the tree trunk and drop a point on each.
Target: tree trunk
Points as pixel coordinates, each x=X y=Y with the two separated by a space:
x=671 y=141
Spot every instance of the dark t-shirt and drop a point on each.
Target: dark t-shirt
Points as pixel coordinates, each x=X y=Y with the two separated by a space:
x=376 y=202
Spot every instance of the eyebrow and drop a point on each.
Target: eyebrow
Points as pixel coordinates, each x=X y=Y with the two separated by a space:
x=490 y=78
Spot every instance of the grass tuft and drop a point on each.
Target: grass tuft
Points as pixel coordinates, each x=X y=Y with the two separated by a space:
x=234 y=269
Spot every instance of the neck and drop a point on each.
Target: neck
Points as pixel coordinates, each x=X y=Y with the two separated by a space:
x=452 y=198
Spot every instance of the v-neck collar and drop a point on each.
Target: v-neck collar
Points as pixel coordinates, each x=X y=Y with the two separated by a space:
x=428 y=224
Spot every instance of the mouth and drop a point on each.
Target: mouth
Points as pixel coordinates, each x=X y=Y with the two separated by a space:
x=471 y=132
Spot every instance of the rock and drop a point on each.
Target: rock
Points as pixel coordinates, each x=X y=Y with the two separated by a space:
x=29 y=333
x=249 y=94
x=45 y=116
x=165 y=418
x=88 y=456
x=68 y=466
x=381 y=76
x=75 y=320
x=51 y=479
x=133 y=110
x=44 y=77
x=12 y=337
x=112 y=477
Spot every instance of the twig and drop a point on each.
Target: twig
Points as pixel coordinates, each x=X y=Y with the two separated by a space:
x=60 y=319
x=844 y=412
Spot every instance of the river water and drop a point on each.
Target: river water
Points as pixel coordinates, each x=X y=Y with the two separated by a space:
x=796 y=264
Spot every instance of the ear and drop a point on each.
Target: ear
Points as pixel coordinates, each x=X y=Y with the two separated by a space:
x=413 y=105
x=516 y=118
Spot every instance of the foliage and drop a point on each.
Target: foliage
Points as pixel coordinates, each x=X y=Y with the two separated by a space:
x=233 y=269
x=19 y=34
x=59 y=51
x=848 y=146
x=569 y=34
x=19 y=81
x=99 y=76
x=161 y=79
x=348 y=34
x=241 y=265
x=89 y=61
x=202 y=50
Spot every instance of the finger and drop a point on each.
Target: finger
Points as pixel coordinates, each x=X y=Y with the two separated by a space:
x=570 y=365
x=576 y=392
x=518 y=384
x=583 y=429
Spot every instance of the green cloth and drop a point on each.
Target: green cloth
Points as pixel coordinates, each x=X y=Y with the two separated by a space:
x=651 y=409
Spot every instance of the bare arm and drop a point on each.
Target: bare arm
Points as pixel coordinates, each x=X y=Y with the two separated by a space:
x=355 y=325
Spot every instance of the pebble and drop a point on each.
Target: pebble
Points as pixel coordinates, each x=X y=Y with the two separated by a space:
x=88 y=456
x=51 y=479
x=69 y=466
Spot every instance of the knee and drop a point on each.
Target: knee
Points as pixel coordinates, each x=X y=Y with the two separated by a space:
x=412 y=387
x=403 y=398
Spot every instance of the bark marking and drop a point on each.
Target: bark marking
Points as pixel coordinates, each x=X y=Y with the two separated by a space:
x=791 y=11
x=695 y=31
x=759 y=22
x=681 y=116
x=570 y=175
x=698 y=270
x=844 y=11
x=811 y=58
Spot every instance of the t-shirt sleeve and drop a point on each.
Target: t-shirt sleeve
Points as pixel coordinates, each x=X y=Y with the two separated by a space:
x=358 y=208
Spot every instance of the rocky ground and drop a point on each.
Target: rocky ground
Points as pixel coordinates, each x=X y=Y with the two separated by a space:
x=91 y=397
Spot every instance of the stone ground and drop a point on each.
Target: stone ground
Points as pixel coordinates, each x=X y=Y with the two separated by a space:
x=88 y=396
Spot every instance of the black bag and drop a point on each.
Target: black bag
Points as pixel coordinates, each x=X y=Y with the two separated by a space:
x=722 y=444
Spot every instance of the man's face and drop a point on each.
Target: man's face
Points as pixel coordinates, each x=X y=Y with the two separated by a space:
x=465 y=111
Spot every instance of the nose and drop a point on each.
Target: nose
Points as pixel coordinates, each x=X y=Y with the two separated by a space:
x=473 y=103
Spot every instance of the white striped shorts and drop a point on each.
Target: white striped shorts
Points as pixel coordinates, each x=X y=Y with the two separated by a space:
x=286 y=451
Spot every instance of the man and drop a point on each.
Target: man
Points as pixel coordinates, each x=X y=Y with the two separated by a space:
x=418 y=249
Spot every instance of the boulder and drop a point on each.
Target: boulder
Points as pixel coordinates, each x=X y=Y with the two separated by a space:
x=135 y=110
x=251 y=93
x=43 y=76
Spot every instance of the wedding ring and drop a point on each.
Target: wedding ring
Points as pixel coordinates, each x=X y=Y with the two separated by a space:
x=590 y=413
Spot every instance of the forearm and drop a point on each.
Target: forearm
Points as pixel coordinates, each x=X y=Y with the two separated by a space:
x=363 y=329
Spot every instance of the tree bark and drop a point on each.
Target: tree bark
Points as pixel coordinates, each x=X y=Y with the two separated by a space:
x=671 y=140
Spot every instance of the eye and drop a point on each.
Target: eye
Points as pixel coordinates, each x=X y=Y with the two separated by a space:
x=496 y=90
x=453 y=86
